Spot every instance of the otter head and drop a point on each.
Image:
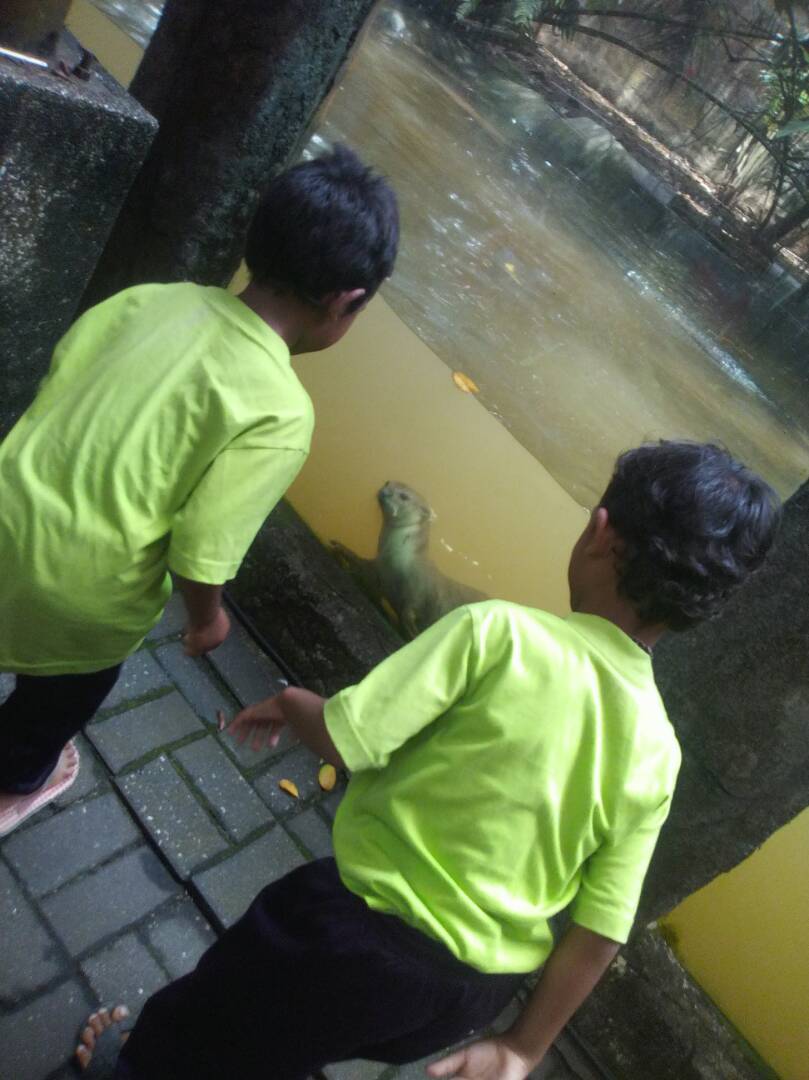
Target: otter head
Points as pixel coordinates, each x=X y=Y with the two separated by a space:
x=402 y=506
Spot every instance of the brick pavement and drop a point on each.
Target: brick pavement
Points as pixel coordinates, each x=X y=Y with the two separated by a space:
x=167 y=835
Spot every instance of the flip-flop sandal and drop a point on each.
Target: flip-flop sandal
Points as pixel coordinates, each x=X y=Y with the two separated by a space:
x=26 y=805
x=106 y=1050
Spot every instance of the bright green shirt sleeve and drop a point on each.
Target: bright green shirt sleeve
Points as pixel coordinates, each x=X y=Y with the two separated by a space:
x=213 y=530
x=612 y=879
x=404 y=694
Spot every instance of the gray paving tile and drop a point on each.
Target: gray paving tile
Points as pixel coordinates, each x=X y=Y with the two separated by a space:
x=249 y=672
x=233 y=802
x=313 y=832
x=93 y=777
x=128 y=736
x=140 y=675
x=167 y=809
x=172 y=620
x=37 y=1039
x=58 y=849
x=194 y=678
x=124 y=972
x=30 y=956
x=329 y=803
x=179 y=936
x=108 y=900
x=232 y=885
x=299 y=765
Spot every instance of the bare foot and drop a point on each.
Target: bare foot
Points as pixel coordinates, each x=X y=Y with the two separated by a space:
x=14 y=809
x=97 y=1024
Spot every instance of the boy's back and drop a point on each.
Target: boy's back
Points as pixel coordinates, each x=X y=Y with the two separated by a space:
x=504 y=763
x=146 y=391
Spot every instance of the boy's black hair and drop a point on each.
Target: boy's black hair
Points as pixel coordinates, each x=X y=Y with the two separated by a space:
x=695 y=523
x=325 y=226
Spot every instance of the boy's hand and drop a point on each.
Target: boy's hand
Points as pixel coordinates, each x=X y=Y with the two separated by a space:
x=486 y=1059
x=199 y=640
x=261 y=723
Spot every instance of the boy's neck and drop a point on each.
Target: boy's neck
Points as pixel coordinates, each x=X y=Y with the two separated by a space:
x=282 y=312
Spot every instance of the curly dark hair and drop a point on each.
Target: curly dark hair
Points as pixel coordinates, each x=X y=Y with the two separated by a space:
x=695 y=522
x=324 y=226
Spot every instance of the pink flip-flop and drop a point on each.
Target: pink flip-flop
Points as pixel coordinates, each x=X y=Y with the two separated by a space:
x=14 y=809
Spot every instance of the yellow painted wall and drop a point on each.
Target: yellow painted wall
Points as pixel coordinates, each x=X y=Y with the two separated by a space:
x=745 y=939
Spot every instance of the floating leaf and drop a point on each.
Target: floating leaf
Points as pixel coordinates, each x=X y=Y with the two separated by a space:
x=327 y=776
x=463 y=382
x=289 y=787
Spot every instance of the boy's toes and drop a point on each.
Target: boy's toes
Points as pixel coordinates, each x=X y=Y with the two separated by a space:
x=99 y=1044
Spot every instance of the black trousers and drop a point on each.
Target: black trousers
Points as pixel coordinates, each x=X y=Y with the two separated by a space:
x=307 y=977
x=40 y=716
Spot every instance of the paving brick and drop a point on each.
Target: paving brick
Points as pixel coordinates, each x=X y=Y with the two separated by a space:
x=167 y=809
x=140 y=675
x=30 y=956
x=58 y=849
x=329 y=803
x=179 y=937
x=313 y=832
x=299 y=765
x=93 y=776
x=232 y=885
x=124 y=972
x=248 y=671
x=37 y=1039
x=172 y=620
x=234 y=803
x=128 y=736
x=191 y=676
x=106 y=901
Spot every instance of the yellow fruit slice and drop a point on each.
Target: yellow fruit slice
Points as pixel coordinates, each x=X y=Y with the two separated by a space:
x=327 y=777
x=289 y=787
x=463 y=382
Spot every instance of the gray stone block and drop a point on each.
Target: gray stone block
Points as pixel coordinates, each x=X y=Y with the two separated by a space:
x=93 y=777
x=36 y=1039
x=69 y=152
x=129 y=736
x=313 y=832
x=172 y=621
x=299 y=765
x=235 y=805
x=248 y=671
x=124 y=972
x=57 y=850
x=179 y=937
x=140 y=675
x=7 y=681
x=329 y=803
x=168 y=810
x=232 y=885
x=30 y=956
x=108 y=900
x=191 y=676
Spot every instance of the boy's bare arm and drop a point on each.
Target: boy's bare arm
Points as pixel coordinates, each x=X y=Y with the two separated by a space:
x=572 y=970
x=300 y=709
x=208 y=623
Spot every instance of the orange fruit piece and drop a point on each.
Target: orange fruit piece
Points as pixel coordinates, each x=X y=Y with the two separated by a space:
x=463 y=382
x=289 y=787
x=327 y=776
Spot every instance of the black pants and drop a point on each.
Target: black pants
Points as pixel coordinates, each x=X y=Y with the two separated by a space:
x=307 y=977
x=39 y=717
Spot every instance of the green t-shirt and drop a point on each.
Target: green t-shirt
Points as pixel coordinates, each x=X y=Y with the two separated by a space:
x=169 y=425
x=505 y=764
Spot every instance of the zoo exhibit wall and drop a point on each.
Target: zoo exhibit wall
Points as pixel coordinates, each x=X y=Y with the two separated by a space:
x=388 y=409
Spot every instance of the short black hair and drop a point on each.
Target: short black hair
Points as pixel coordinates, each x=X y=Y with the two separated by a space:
x=324 y=226
x=695 y=524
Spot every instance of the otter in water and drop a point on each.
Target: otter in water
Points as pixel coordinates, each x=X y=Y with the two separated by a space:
x=402 y=577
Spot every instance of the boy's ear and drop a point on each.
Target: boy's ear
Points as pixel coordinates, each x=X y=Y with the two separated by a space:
x=603 y=540
x=340 y=304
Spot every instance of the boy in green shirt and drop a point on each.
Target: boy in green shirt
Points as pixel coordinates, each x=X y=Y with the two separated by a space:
x=505 y=765
x=169 y=425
